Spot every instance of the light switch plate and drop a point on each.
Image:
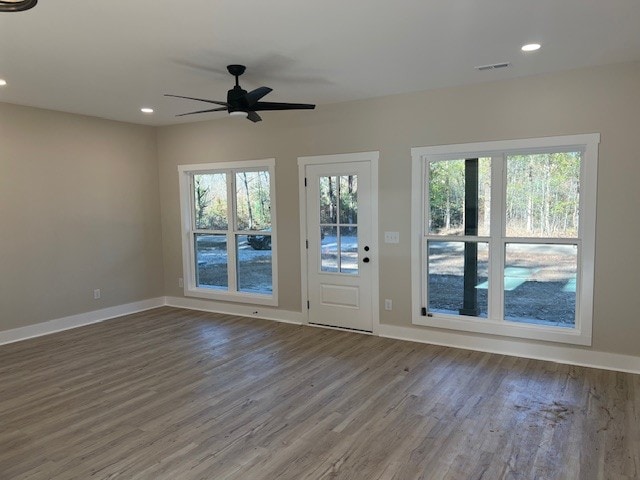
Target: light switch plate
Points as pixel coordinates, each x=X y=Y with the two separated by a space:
x=391 y=237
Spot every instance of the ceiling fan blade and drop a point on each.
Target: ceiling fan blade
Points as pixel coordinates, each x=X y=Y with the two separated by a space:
x=203 y=111
x=198 y=99
x=255 y=95
x=254 y=117
x=259 y=106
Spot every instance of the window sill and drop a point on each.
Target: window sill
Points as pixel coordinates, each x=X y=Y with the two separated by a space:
x=506 y=329
x=235 y=297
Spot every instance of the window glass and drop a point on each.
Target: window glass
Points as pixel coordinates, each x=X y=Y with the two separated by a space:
x=211 y=261
x=349 y=250
x=543 y=195
x=254 y=263
x=328 y=200
x=210 y=201
x=329 y=249
x=253 y=202
x=458 y=278
x=540 y=284
x=349 y=199
x=339 y=220
x=460 y=197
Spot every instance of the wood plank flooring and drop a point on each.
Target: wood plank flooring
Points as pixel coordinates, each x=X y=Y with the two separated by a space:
x=182 y=395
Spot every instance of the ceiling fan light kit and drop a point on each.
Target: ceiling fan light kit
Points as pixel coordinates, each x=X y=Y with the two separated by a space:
x=16 y=5
x=242 y=103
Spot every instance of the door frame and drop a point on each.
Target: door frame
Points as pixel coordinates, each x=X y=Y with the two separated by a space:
x=372 y=158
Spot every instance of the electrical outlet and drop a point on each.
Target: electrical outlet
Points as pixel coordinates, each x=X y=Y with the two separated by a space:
x=96 y=294
x=388 y=304
x=180 y=282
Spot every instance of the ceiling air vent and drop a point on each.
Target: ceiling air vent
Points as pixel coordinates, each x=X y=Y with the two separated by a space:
x=495 y=66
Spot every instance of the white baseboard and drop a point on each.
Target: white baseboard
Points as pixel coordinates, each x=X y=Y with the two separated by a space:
x=79 y=320
x=552 y=353
x=258 y=311
x=503 y=346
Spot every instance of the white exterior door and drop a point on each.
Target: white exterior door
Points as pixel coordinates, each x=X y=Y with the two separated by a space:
x=341 y=249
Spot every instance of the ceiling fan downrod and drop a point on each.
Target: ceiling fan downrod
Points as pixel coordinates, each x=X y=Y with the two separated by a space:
x=236 y=71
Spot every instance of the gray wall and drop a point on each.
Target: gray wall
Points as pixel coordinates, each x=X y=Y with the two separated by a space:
x=79 y=209
x=603 y=100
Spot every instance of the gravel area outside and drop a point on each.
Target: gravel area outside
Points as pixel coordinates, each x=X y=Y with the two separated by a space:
x=541 y=290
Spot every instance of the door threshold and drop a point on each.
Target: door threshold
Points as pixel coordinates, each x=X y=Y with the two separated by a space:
x=344 y=329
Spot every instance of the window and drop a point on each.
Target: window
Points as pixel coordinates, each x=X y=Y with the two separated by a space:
x=229 y=236
x=504 y=237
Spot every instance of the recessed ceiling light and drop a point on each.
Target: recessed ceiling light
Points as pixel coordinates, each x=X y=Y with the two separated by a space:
x=16 y=5
x=146 y=110
x=531 y=47
x=2 y=82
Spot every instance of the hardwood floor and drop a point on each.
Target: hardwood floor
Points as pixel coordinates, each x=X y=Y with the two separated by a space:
x=176 y=394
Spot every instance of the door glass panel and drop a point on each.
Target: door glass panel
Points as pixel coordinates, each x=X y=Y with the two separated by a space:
x=349 y=250
x=210 y=200
x=338 y=224
x=349 y=199
x=254 y=264
x=328 y=200
x=458 y=278
x=540 y=284
x=211 y=261
x=329 y=249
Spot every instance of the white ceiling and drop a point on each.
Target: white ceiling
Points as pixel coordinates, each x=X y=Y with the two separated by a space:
x=108 y=58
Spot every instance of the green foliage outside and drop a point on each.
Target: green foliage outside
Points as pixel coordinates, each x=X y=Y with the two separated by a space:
x=342 y=192
x=252 y=201
x=542 y=195
x=447 y=196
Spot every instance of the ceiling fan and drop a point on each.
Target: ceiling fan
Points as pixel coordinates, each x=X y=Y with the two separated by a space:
x=242 y=103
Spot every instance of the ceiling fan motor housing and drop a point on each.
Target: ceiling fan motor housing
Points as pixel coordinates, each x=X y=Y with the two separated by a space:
x=236 y=99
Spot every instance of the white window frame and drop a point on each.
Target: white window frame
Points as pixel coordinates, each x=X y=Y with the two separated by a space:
x=581 y=333
x=186 y=174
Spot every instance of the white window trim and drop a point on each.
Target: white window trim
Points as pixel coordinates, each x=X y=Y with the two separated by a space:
x=185 y=173
x=582 y=333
